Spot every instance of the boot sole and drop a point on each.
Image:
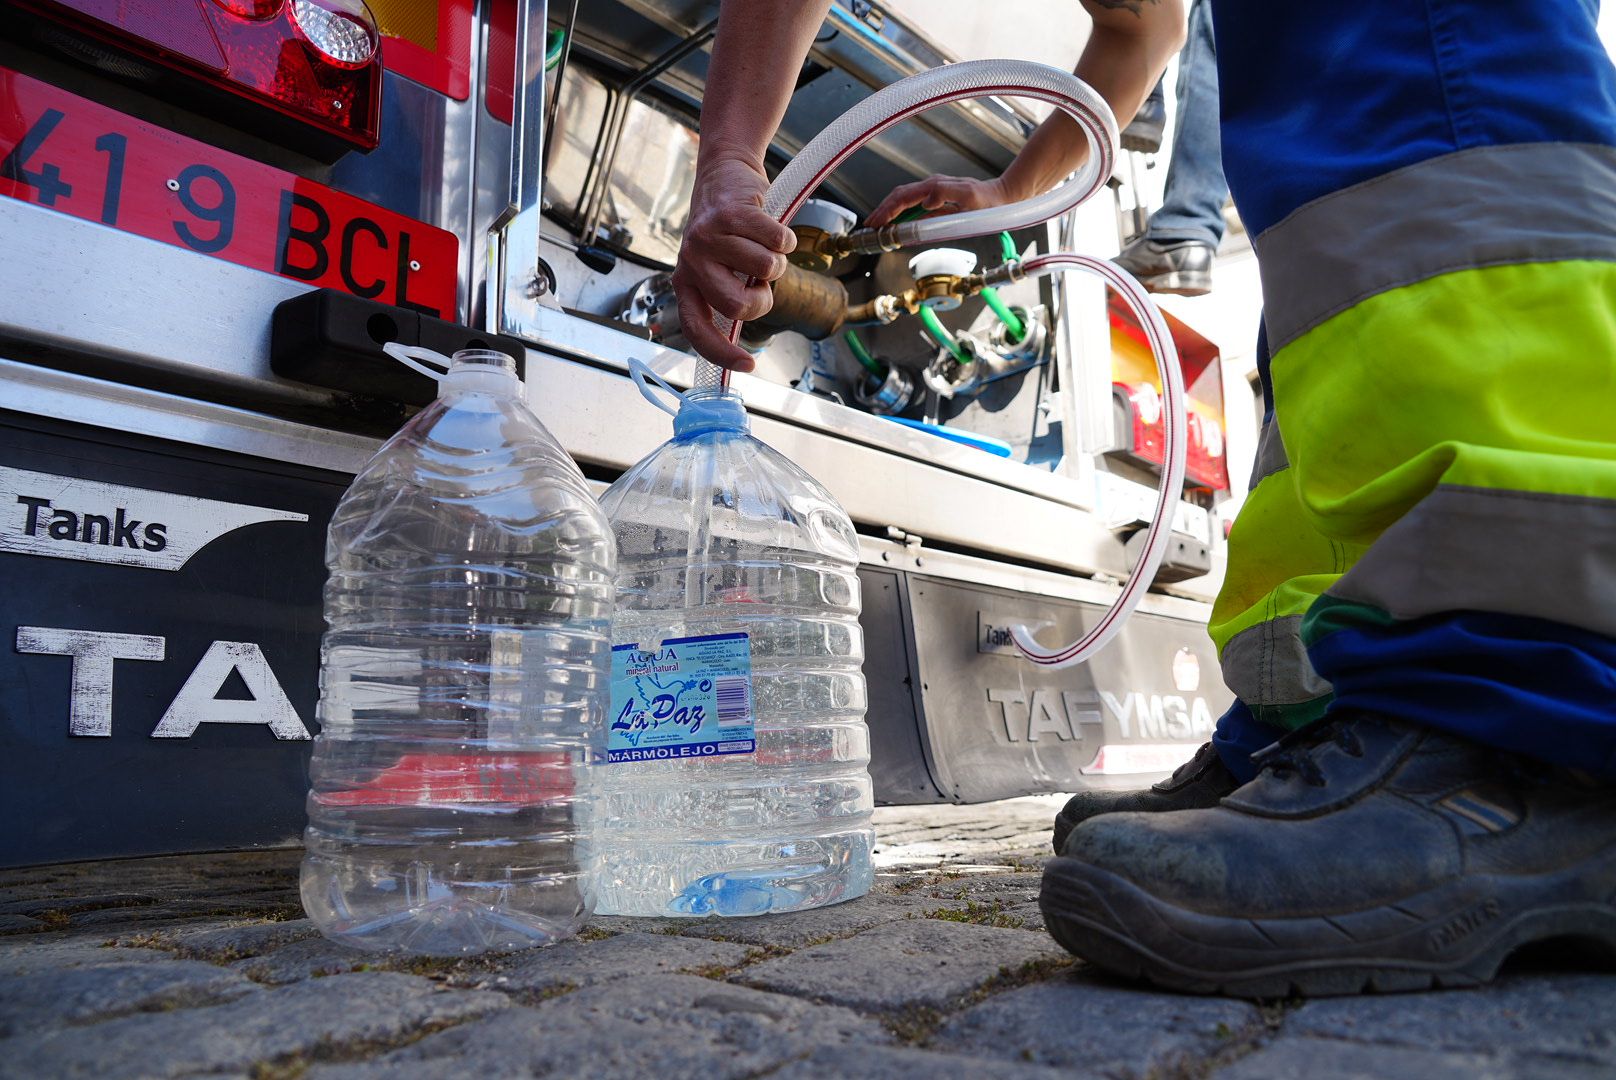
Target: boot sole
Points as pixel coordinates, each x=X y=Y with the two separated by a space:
x=1455 y=935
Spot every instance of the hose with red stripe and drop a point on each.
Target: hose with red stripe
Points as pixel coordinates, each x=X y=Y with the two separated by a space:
x=1068 y=93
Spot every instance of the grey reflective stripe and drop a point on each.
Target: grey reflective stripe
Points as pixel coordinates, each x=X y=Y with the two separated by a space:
x=1488 y=206
x=1267 y=665
x=1271 y=457
x=1480 y=549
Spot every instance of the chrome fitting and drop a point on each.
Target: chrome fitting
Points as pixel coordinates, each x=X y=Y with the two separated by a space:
x=1005 y=274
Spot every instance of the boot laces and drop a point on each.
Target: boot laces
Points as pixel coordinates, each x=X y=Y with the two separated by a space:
x=1293 y=753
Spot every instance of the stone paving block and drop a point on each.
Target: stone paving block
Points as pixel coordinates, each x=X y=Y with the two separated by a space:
x=622 y=924
x=225 y=906
x=321 y=1016
x=670 y=1027
x=66 y=903
x=58 y=998
x=1572 y=1016
x=914 y=962
x=1073 y=1021
x=1288 y=1058
x=797 y=928
x=895 y=1063
x=307 y=958
x=993 y=899
x=52 y=952
x=573 y=964
x=234 y=940
x=1016 y=887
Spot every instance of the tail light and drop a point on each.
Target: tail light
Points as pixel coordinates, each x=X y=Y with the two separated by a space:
x=342 y=31
x=1143 y=439
x=1139 y=406
x=305 y=73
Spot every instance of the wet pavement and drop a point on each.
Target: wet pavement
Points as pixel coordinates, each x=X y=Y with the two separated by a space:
x=204 y=966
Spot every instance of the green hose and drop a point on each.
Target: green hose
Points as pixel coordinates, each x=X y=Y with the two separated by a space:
x=937 y=330
x=1013 y=329
x=862 y=355
x=552 y=48
x=1007 y=246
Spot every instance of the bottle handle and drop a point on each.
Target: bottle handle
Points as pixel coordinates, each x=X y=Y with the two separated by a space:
x=643 y=376
x=417 y=357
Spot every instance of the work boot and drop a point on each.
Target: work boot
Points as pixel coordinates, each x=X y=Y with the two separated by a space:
x=1144 y=131
x=1378 y=857
x=1182 y=267
x=1199 y=782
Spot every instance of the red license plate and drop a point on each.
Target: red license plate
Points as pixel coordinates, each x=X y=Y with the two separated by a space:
x=74 y=156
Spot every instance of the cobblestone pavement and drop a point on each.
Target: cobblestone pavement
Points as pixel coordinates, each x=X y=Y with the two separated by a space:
x=204 y=966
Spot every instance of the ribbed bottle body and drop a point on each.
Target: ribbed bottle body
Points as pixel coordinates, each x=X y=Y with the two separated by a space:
x=463 y=687
x=720 y=536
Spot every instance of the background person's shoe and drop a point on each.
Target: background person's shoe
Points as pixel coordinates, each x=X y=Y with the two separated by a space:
x=1381 y=857
x=1181 y=267
x=1199 y=782
x=1144 y=131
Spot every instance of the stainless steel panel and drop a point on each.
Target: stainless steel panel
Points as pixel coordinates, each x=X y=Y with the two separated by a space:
x=610 y=348
x=515 y=288
x=976 y=570
x=996 y=725
x=600 y=417
x=423 y=166
x=76 y=293
x=95 y=402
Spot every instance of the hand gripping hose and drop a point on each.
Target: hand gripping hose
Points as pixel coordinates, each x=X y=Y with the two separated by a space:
x=1068 y=93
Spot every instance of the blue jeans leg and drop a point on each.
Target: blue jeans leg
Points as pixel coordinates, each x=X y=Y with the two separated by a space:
x=1192 y=205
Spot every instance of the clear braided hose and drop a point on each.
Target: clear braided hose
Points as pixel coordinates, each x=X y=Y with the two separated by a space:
x=898 y=102
x=1010 y=78
x=1175 y=425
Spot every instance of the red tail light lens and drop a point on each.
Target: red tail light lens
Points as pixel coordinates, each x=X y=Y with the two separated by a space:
x=252 y=9
x=303 y=72
x=1146 y=441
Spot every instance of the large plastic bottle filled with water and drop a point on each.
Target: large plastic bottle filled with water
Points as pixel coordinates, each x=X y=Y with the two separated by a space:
x=737 y=780
x=464 y=683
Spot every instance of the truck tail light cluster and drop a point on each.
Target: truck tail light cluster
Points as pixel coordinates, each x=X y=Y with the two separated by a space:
x=306 y=73
x=1139 y=405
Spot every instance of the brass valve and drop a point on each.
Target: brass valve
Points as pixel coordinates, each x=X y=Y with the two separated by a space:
x=940 y=291
x=816 y=249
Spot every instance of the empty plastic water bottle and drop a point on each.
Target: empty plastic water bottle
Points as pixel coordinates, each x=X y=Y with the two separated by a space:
x=737 y=780
x=464 y=684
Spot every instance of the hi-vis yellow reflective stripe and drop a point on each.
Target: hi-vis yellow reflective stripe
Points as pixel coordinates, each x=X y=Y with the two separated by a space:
x=1278 y=567
x=1488 y=457
x=1448 y=445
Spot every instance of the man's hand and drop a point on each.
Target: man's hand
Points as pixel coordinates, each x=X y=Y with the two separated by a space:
x=728 y=240
x=945 y=194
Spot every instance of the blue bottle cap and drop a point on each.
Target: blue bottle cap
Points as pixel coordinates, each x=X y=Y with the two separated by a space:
x=709 y=410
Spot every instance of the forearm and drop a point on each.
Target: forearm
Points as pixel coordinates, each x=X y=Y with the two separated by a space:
x=1125 y=55
x=756 y=57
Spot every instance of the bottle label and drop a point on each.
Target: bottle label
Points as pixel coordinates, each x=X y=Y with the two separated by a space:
x=686 y=698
